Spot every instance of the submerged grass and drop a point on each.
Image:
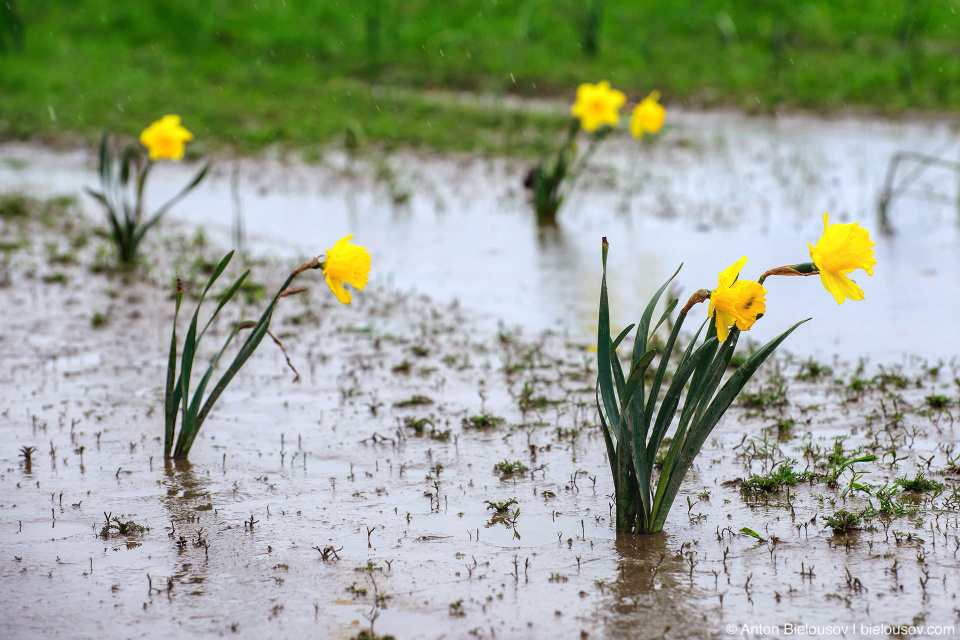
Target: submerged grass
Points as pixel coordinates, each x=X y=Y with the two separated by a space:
x=844 y=521
x=256 y=74
x=919 y=483
x=506 y=468
x=782 y=475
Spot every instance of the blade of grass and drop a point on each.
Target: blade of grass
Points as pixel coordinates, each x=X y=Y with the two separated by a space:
x=623 y=334
x=635 y=434
x=170 y=402
x=666 y=313
x=668 y=408
x=643 y=328
x=715 y=373
x=605 y=353
x=662 y=369
x=608 y=440
x=198 y=393
x=636 y=376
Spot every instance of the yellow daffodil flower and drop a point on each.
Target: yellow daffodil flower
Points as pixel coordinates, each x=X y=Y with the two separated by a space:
x=348 y=263
x=737 y=302
x=164 y=138
x=597 y=105
x=647 y=116
x=842 y=249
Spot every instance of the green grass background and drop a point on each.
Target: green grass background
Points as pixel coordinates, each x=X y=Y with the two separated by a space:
x=250 y=73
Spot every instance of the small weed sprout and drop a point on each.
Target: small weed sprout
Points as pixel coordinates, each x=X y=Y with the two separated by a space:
x=417 y=424
x=328 y=553
x=483 y=421
x=938 y=402
x=840 y=462
x=920 y=484
x=26 y=452
x=416 y=400
x=114 y=525
x=888 y=506
x=781 y=476
x=501 y=507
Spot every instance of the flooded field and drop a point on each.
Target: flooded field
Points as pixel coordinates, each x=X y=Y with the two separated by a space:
x=712 y=188
x=435 y=474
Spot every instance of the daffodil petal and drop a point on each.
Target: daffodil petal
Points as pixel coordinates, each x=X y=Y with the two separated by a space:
x=841 y=286
x=724 y=321
x=338 y=290
x=346 y=263
x=729 y=275
x=736 y=302
x=647 y=116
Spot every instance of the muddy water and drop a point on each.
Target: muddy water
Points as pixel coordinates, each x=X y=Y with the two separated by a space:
x=280 y=469
x=711 y=189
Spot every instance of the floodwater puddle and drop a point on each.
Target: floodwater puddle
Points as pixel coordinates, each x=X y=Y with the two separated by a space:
x=714 y=187
x=483 y=508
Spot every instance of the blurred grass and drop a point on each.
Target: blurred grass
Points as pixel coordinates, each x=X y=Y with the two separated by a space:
x=298 y=72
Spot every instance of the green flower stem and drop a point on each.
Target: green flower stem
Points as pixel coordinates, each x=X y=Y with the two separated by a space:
x=802 y=269
x=595 y=141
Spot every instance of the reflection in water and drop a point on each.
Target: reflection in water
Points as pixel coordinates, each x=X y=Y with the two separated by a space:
x=186 y=491
x=565 y=281
x=188 y=494
x=653 y=591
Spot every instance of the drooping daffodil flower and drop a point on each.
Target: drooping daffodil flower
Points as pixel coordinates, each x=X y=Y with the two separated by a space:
x=346 y=263
x=647 y=116
x=736 y=302
x=165 y=138
x=597 y=105
x=842 y=249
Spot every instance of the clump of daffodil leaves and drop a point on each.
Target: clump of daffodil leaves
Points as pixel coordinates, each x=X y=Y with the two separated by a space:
x=597 y=113
x=634 y=417
x=123 y=182
x=344 y=263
